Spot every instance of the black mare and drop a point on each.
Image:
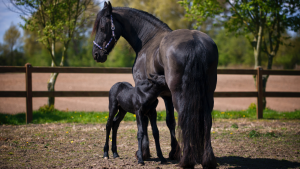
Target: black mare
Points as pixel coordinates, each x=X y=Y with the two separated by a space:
x=187 y=58
x=140 y=100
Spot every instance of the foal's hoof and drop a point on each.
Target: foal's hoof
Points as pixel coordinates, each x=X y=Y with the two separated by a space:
x=105 y=158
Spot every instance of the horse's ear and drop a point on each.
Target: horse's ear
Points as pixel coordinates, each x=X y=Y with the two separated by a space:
x=105 y=4
x=109 y=8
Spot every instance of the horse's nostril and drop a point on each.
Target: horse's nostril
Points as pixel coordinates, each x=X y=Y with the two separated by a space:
x=96 y=55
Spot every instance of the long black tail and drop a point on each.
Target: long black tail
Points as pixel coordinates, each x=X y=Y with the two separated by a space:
x=194 y=115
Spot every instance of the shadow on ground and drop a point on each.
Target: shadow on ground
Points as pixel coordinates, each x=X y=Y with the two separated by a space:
x=251 y=163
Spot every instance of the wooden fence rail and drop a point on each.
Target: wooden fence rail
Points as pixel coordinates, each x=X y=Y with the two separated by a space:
x=28 y=93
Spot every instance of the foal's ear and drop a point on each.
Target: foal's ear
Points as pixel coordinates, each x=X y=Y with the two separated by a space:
x=153 y=76
x=161 y=80
x=151 y=81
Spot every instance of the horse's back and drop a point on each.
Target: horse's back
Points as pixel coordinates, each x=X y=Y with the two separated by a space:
x=180 y=43
x=180 y=46
x=118 y=89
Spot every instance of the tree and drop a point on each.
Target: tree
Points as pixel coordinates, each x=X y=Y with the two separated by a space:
x=55 y=21
x=11 y=38
x=264 y=20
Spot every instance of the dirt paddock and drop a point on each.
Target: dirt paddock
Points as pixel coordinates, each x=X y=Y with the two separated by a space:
x=274 y=144
x=103 y=82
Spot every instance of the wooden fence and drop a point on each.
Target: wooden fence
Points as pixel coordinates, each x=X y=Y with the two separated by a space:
x=28 y=70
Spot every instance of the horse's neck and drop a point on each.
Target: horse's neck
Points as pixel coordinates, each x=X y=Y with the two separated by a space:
x=138 y=31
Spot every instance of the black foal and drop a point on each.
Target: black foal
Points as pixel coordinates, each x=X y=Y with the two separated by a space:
x=142 y=101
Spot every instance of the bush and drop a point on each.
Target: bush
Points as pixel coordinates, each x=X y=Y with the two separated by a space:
x=252 y=106
x=46 y=109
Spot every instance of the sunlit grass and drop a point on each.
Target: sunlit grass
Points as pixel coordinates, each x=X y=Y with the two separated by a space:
x=51 y=115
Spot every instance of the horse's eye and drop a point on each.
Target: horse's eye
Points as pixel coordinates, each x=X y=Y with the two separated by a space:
x=102 y=29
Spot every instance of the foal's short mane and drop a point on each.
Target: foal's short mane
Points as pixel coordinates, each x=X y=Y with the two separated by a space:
x=138 y=14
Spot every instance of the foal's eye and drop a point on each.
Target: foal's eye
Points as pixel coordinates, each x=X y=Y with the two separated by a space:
x=102 y=29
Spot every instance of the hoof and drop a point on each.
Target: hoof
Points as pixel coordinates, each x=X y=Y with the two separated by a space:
x=141 y=163
x=105 y=158
x=116 y=156
x=163 y=161
x=135 y=154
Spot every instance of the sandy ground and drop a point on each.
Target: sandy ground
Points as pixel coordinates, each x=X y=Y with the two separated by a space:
x=103 y=82
x=275 y=145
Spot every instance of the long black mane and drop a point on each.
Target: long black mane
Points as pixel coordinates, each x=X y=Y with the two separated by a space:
x=143 y=17
x=140 y=18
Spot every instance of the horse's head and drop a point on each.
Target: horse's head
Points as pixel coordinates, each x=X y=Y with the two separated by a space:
x=106 y=33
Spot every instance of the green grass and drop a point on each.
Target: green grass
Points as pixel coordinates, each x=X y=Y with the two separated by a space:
x=51 y=115
x=251 y=114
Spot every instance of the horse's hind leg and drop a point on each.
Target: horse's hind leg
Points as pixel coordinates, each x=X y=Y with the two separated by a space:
x=171 y=123
x=116 y=122
x=113 y=109
x=155 y=133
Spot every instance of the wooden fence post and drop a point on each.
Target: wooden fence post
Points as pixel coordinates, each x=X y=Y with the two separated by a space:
x=259 y=87
x=28 y=93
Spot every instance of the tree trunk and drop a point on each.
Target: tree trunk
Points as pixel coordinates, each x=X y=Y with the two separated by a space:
x=257 y=58
x=266 y=77
x=53 y=77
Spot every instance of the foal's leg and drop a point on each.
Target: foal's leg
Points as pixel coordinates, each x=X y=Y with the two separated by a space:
x=113 y=109
x=140 y=136
x=120 y=116
x=171 y=123
x=155 y=133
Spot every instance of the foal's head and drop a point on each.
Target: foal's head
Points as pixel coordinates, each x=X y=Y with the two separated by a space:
x=158 y=81
x=107 y=33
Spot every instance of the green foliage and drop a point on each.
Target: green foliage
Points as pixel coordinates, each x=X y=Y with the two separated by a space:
x=169 y=11
x=289 y=56
x=233 y=50
x=10 y=54
x=54 y=21
x=265 y=21
x=252 y=106
x=46 y=109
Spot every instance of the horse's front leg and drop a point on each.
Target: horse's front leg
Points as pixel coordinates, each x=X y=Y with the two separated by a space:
x=155 y=132
x=171 y=123
x=145 y=143
x=140 y=135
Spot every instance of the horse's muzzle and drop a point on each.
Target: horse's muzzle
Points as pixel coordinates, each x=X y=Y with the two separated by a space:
x=100 y=57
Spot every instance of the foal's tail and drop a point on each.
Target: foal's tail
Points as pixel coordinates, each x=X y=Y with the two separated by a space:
x=195 y=117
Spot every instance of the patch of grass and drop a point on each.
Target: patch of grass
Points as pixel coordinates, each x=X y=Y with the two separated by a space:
x=235 y=126
x=251 y=114
x=50 y=115
x=254 y=133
